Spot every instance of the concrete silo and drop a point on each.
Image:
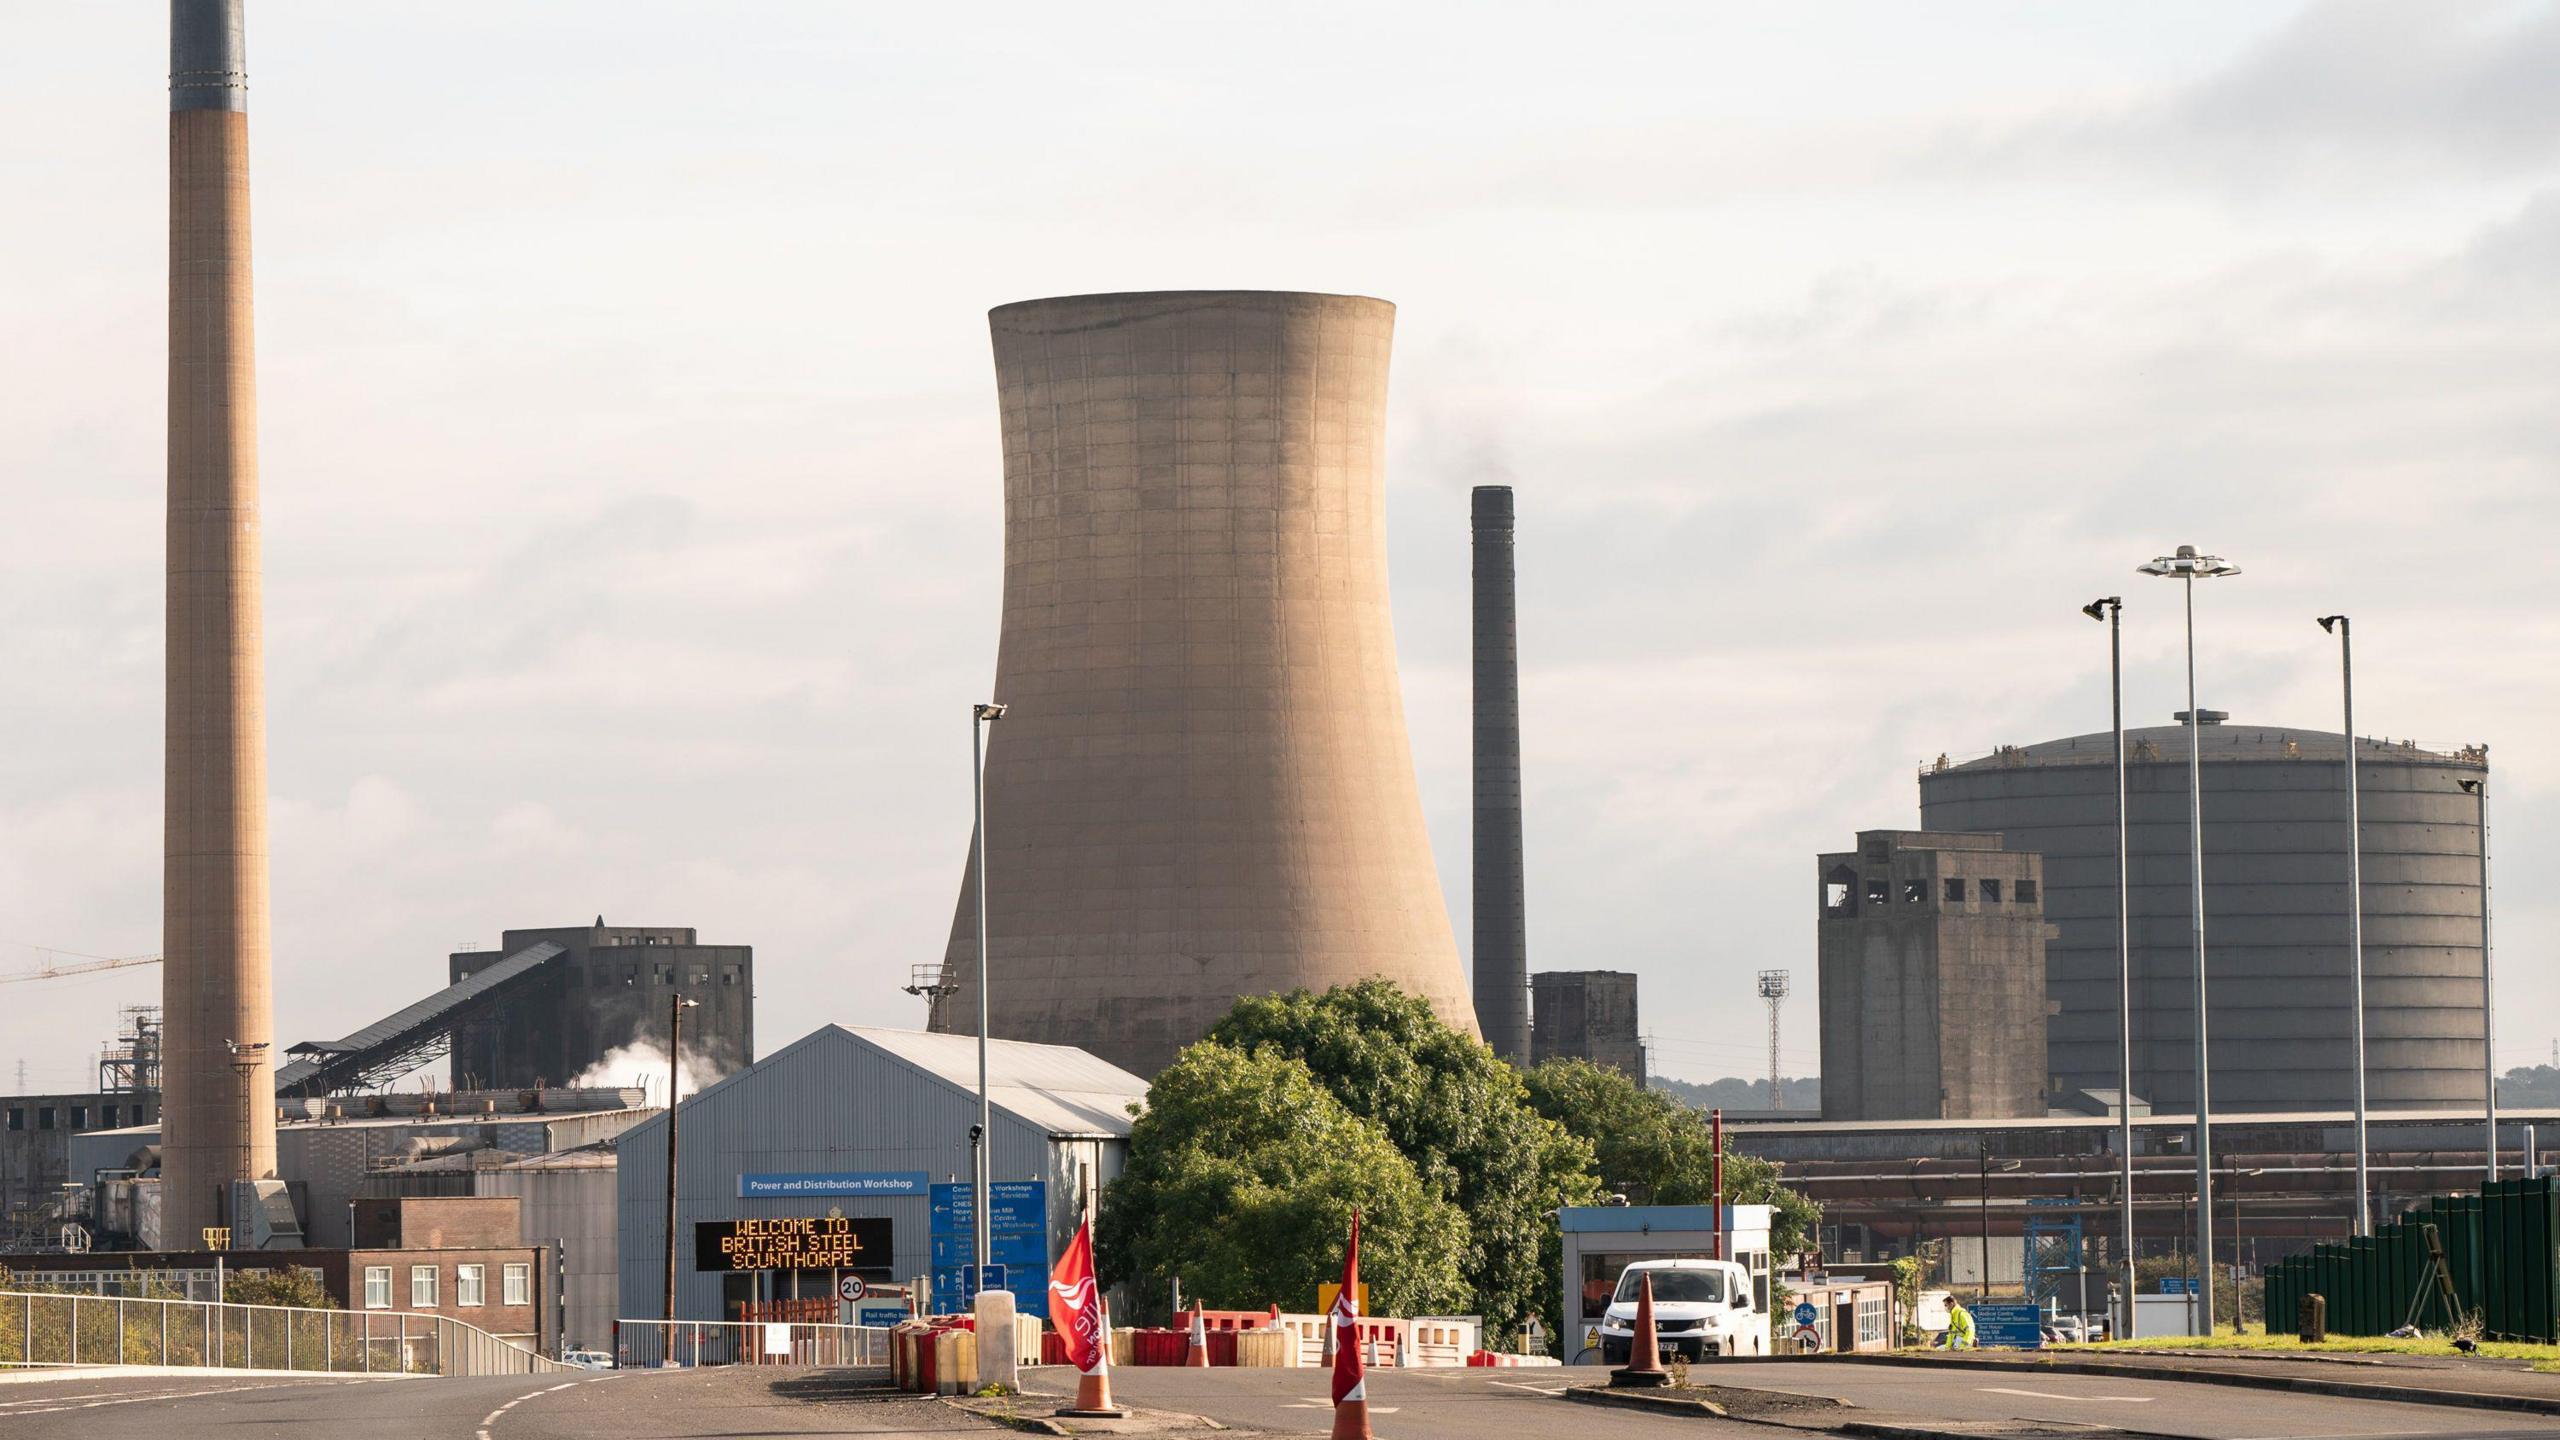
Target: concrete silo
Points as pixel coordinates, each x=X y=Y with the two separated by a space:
x=2275 y=857
x=1203 y=787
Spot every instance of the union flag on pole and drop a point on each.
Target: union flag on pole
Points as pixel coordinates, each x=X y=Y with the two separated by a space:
x=1350 y=1377
x=1075 y=1305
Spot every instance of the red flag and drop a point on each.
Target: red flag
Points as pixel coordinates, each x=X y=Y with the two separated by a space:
x=1075 y=1305
x=1350 y=1377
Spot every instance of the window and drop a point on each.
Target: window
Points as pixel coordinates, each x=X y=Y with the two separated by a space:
x=377 y=1287
x=2026 y=892
x=518 y=1280
x=1955 y=892
x=701 y=976
x=1915 y=892
x=1675 y=1287
x=79 y=1117
x=1877 y=892
x=422 y=1287
x=44 y=1117
x=1870 y=1322
x=111 y=1117
x=17 y=1117
x=630 y=974
x=470 y=1284
x=729 y=975
x=1990 y=892
x=1839 y=891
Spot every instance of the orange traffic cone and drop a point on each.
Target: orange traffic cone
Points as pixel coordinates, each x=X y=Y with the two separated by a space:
x=1093 y=1398
x=1351 y=1420
x=1195 y=1350
x=1644 y=1353
x=1093 y=1392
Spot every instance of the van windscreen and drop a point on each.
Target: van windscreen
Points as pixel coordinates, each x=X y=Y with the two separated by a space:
x=1675 y=1287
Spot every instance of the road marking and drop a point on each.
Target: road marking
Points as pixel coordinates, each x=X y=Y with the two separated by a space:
x=59 y=1408
x=1532 y=1389
x=2049 y=1395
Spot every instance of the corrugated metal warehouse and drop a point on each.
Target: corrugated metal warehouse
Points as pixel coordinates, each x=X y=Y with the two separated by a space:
x=842 y=1109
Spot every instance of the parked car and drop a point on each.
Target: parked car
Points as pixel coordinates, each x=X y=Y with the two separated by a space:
x=1700 y=1308
x=587 y=1359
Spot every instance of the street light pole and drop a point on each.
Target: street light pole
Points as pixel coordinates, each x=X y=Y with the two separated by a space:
x=2189 y=567
x=2111 y=609
x=1985 y=1144
x=676 y=1006
x=2355 y=918
x=980 y=717
x=2488 y=1007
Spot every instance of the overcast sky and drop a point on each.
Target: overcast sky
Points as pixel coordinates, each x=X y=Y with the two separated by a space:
x=631 y=468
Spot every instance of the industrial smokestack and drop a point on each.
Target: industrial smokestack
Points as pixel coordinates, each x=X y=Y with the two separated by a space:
x=218 y=1110
x=1502 y=915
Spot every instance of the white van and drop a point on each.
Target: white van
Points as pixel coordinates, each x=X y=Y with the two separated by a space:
x=1700 y=1308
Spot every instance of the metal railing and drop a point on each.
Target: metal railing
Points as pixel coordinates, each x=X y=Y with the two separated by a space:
x=51 y=1330
x=650 y=1344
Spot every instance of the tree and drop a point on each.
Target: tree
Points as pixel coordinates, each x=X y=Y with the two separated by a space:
x=293 y=1285
x=1646 y=1139
x=1243 y=1173
x=1454 y=1109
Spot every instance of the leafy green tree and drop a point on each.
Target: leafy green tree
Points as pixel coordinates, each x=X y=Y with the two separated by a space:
x=293 y=1285
x=1243 y=1174
x=1646 y=1139
x=1454 y=1109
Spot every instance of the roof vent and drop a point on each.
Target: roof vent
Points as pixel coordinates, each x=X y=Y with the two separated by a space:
x=2203 y=717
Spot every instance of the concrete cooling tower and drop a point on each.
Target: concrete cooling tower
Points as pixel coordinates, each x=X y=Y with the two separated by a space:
x=2275 y=869
x=1203 y=788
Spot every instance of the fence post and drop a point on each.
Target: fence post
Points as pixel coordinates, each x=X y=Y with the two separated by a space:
x=164 y=1333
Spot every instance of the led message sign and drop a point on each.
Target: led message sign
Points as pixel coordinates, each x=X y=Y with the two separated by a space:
x=824 y=1242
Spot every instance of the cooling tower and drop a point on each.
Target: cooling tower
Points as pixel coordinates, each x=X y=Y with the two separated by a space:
x=2276 y=936
x=218 y=1066
x=1501 y=902
x=1203 y=788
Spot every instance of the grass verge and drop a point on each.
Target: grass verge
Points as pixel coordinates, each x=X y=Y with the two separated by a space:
x=2544 y=1357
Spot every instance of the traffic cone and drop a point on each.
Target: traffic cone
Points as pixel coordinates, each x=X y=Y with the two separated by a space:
x=1351 y=1420
x=1644 y=1353
x=1195 y=1350
x=1093 y=1392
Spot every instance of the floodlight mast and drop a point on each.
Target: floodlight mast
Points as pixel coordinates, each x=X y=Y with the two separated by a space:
x=2188 y=567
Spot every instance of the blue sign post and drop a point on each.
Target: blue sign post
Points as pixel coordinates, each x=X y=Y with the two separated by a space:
x=2008 y=1327
x=1017 y=1245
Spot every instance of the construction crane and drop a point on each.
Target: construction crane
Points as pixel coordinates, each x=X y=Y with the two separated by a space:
x=86 y=964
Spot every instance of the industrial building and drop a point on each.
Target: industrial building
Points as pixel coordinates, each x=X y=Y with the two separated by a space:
x=566 y=1204
x=2276 y=929
x=1202 y=788
x=327 y=1149
x=39 y=1194
x=1932 y=985
x=609 y=988
x=867 y=1131
x=1587 y=1015
x=459 y=1258
x=2048 y=1189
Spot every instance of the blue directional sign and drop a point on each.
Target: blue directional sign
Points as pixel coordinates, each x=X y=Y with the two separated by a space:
x=2008 y=1327
x=1017 y=1244
x=2175 y=1285
x=1805 y=1313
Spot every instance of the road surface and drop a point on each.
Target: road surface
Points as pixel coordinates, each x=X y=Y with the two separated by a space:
x=1407 y=1405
